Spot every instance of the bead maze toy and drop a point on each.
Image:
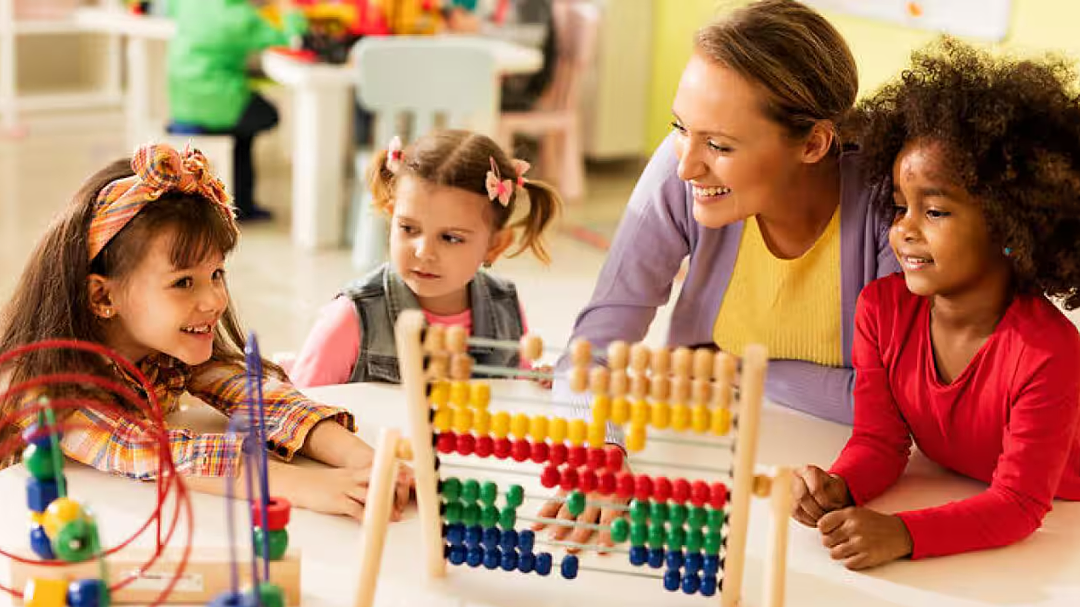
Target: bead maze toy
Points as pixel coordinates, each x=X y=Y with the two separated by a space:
x=70 y=568
x=695 y=529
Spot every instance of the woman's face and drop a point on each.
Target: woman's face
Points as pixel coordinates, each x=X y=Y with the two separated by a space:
x=739 y=162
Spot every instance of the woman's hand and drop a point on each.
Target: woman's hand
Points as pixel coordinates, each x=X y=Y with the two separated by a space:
x=862 y=538
x=816 y=493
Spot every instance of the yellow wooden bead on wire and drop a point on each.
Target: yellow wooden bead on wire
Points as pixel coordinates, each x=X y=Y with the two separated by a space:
x=538 y=428
x=660 y=416
x=699 y=418
x=639 y=412
x=519 y=425
x=636 y=439
x=482 y=421
x=620 y=410
x=45 y=593
x=480 y=395
x=500 y=424
x=440 y=393
x=443 y=419
x=60 y=512
x=597 y=433
x=459 y=393
x=601 y=407
x=463 y=418
x=680 y=417
x=557 y=430
x=721 y=421
x=578 y=432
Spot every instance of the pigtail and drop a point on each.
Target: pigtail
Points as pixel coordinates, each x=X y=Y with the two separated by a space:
x=381 y=181
x=544 y=205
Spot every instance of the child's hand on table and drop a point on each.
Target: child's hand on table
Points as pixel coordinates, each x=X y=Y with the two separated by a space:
x=557 y=508
x=816 y=493
x=862 y=538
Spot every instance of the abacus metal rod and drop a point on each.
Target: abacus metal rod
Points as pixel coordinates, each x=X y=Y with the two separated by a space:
x=502 y=344
x=446 y=464
x=564 y=523
x=575 y=545
x=525 y=400
x=651 y=576
x=655 y=464
x=689 y=442
x=497 y=371
x=565 y=498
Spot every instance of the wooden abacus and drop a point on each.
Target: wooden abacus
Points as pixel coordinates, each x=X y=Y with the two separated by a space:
x=684 y=390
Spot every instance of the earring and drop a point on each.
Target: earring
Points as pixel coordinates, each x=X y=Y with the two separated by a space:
x=107 y=313
x=1007 y=251
x=487 y=264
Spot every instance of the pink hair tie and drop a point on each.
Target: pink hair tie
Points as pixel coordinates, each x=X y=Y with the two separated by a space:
x=520 y=167
x=394 y=155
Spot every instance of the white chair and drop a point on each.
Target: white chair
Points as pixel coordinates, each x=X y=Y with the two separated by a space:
x=439 y=82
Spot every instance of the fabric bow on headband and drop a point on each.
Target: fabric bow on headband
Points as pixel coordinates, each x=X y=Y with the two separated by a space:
x=159 y=169
x=500 y=189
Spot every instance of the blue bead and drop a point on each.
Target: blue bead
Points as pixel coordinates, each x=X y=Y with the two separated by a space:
x=457 y=554
x=569 y=566
x=690 y=583
x=638 y=555
x=708 y=585
x=672 y=579
x=232 y=599
x=675 y=559
x=492 y=558
x=475 y=556
x=509 y=560
x=41 y=544
x=87 y=593
x=656 y=558
x=39 y=494
x=491 y=538
x=509 y=540
x=526 y=562
x=710 y=564
x=473 y=536
x=543 y=563
x=455 y=534
x=526 y=539
x=694 y=562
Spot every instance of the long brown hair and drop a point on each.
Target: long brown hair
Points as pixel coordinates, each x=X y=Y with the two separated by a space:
x=795 y=55
x=461 y=159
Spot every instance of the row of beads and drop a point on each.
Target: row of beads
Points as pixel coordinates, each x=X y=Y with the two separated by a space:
x=642 y=486
x=683 y=570
x=521 y=450
x=471 y=491
x=511 y=561
x=500 y=425
x=456 y=511
x=674 y=536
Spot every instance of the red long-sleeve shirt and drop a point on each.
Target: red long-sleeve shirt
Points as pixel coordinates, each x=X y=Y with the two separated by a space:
x=1009 y=419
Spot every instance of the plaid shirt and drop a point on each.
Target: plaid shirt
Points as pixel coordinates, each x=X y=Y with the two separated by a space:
x=118 y=446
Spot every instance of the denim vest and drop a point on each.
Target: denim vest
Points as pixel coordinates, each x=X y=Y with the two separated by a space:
x=382 y=295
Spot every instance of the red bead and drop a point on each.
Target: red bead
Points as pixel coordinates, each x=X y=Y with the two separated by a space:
x=466 y=444
x=661 y=488
x=643 y=487
x=485 y=446
x=596 y=458
x=577 y=456
x=606 y=486
x=568 y=480
x=680 y=491
x=557 y=454
x=521 y=450
x=717 y=495
x=624 y=484
x=589 y=481
x=277 y=513
x=699 y=493
x=446 y=443
x=614 y=459
x=539 y=452
x=549 y=477
x=502 y=448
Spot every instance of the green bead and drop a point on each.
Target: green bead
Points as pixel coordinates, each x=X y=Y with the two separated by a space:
x=488 y=493
x=639 y=511
x=575 y=502
x=74 y=541
x=638 y=533
x=515 y=496
x=470 y=514
x=658 y=513
x=39 y=462
x=695 y=539
x=451 y=489
x=656 y=536
x=470 y=491
x=489 y=516
x=676 y=538
x=279 y=542
x=508 y=518
x=696 y=518
x=452 y=511
x=716 y=519
x=677 y=515
x=620 y=530
x=712 y=543
x=271 y=595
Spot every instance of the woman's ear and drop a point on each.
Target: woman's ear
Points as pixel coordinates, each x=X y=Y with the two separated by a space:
x=500 y=241
x=819 y=142
x=99 y=294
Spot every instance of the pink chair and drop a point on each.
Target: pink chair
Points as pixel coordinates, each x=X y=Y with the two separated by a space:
x=557 y=117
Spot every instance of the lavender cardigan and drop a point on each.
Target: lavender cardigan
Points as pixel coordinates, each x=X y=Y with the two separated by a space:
x=658 y=230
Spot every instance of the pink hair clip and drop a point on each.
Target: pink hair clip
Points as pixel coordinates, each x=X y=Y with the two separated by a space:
x=498 y=188
x=520 y=167
x=394 y=155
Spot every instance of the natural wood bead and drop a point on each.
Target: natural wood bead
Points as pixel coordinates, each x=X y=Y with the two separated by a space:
x=434 y=339
x=439 y=364
x=532 y=348
x=579 y=379
x=661 y=361
x=681 y=390
x=581 y=352
x=702 y=391
x=461 y=367
x=639 y=357
x=661 y=387
x=457 y=340
x=682 y=362
x=618 y=354
x=639 y=386
x=404 y=451
x=724 y=368
x=620 y=383
x=703 y=363
x=599 y=380
x=762 y=485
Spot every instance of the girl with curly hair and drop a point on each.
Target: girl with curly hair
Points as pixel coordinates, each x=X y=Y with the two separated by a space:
x=963 y=353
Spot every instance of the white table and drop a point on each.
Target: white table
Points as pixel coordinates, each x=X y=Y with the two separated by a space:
x=1041 y=571
x=322 y=106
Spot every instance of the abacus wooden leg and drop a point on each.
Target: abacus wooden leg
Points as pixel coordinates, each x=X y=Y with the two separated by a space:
x=377 y=515
x=781 y=500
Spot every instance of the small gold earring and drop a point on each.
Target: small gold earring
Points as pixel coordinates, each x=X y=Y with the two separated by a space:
x=487 y=264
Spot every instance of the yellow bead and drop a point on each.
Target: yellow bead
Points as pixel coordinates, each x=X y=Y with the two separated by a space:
x=636 y=440
x=699 y=418
x=440 y=393
x=45 y=593
x=60 y=512
x=459 y=393
x=620 y=410
x=661 y=415
x=442 y=421
x=500 y=424
x=482 y=421
x=639 y=412
x=680 y=417
x=578 y=432
x=538 y=428
x=721 y=421
x=462 y=420
x=36 y=517
x=601 y=407
x=597 y=434
x=480 y=396
x=519 y=425
x=557 y=430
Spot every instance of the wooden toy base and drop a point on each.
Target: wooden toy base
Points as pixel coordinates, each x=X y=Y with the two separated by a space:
x=206 y=575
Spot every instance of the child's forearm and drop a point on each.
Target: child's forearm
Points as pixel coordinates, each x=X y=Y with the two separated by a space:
x=331 y=444
x=220 y=485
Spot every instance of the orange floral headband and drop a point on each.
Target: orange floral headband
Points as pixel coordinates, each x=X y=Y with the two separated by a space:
x=159 y=169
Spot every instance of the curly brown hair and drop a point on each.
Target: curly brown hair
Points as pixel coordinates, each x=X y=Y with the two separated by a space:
x=1011 y=131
